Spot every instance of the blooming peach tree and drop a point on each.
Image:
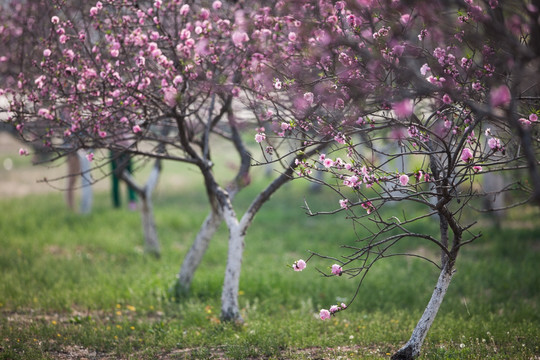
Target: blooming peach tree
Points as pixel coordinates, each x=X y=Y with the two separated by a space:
x=150 y=79
x=415 y=102
x=159 y=80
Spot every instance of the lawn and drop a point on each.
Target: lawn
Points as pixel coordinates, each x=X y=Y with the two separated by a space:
x=76 y=286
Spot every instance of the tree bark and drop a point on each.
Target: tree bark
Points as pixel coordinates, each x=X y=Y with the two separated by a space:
x=147 y=212
x=74 y=170
x=151 y=241
x=231 y=284
x=194 y=256
x=411 y=350
x=86 y=196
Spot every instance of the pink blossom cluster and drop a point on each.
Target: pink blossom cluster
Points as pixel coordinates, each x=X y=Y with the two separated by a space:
x=325 y=314
x=337 y=270
x=299 y=265
x=302 y=167
x=404 y=108
x=528 y=122
x=493 y=142
x=364 y=175
x=260 y=137
x=467 y=155
x=500 y=96
x=338 y=163
x=368 y=206
x=404 y=179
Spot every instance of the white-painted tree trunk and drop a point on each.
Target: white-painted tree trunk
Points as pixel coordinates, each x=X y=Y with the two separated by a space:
x=151 y=241
x=237 y=233
x=229 y=297
x=195 y=254
x=411 y=350
x=493 y=184
x=86 y=188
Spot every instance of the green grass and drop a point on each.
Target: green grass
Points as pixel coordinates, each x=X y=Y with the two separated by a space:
x=77 y=286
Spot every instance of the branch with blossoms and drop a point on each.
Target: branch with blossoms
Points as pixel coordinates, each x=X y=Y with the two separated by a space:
x=336 y=270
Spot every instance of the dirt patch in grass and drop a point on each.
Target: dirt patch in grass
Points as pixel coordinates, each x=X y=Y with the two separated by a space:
x=124 y=313
x=312 y=353
x=72 y=352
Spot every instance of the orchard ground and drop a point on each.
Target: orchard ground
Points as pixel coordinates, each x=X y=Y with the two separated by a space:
x=79 y=286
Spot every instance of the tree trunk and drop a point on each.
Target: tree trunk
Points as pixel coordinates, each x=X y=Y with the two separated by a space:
x=194 y=256
x=151 y=242
x=237 y=234
x=74 y=170
x=229 y=296
x=86 y=196
x=411 y=350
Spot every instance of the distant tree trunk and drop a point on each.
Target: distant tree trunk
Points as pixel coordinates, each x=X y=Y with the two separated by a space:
x=195 y=254
x=86 y=197
x=151 y=242
x=74 y=170
x=493 y=185
x=316 y=186
x=411 y=350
